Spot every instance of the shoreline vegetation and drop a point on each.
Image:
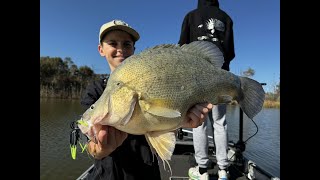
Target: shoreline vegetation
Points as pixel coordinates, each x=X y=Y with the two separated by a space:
x=62 y=79
x=271 y=104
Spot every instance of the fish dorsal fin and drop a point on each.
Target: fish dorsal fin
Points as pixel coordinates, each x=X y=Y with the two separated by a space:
x=163 y=143
x=158 y=48
x=166 y=46
x=206 y=50
x=158 y=110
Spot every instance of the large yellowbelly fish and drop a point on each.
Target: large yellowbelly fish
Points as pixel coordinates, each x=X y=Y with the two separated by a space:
x=151 y=92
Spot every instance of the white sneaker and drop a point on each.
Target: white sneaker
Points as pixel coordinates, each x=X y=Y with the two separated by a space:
x=223 y=175
x=194 y=174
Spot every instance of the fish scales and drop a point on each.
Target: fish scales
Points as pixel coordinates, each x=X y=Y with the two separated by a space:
x=151 y=92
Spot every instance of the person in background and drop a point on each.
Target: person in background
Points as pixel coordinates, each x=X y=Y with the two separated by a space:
x=118 y=155
x=209 y=23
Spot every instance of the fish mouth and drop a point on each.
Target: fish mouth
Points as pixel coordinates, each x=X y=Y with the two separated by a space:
x=86 y=128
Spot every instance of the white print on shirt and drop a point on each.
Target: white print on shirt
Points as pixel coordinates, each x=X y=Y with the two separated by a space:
x=212 y=25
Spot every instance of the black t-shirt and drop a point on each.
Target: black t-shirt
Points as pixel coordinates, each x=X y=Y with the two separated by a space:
x=133 y=160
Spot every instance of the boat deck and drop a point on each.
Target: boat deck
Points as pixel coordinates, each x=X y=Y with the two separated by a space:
x=183 y=159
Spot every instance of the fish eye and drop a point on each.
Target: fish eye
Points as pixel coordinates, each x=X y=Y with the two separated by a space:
x=92 y=107
x=118 y=83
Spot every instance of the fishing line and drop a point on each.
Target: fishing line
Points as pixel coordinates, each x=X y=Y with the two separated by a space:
x=235 y=167
x=254 y=133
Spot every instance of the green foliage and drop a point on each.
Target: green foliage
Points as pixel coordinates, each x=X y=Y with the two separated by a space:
x=249 y=72
x=62 y=78
x=275 y=95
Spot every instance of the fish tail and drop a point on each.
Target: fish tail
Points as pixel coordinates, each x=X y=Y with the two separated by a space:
x=252 y=98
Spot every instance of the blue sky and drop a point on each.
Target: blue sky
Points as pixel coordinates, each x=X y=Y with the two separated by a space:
x=70 y=28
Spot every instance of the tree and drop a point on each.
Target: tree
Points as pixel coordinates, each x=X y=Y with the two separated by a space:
x=86 y=72
x=51 y=68
x=248 y=73
x=62 y=78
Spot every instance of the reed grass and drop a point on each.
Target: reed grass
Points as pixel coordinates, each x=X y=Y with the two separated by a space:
x=271 y=104
x=266 y=104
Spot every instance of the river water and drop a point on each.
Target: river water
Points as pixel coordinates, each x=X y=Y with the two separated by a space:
x=56 y=161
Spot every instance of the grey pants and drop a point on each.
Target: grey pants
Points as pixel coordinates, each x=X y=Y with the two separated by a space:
x=200 y=139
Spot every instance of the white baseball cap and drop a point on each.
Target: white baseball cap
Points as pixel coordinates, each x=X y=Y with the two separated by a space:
x=118 y=24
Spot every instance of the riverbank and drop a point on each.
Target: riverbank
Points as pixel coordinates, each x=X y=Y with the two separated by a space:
x=266 y=104
x=271 y=104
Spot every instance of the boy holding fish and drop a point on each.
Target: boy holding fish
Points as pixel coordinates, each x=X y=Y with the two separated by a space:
x=119 y=155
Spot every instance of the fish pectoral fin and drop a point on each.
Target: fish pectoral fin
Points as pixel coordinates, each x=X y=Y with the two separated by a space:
x=164 y=112
x=158 y=110
x=163 y=143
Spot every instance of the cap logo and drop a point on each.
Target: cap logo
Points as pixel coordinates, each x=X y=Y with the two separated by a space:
x=119 y=22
